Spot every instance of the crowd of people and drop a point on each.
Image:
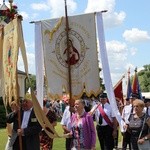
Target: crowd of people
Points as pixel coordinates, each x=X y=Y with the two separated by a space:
x=79 y=129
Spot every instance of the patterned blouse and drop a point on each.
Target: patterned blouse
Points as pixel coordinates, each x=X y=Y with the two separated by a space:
x=78 y=135
x=46 y=142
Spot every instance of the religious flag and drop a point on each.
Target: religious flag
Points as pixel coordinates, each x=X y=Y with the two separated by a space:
x=13 y=40
x=136 y=86
x=118 y=91
x=83 y=55
x=129 y=89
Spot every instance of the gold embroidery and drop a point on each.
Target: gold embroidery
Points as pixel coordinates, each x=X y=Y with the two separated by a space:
x=54 y=29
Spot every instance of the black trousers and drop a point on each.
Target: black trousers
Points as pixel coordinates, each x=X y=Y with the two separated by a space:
x=16 y=144
x=105 y=137
x=69 y=143
x=126 y=140
x=116 y=140
x=134 y=145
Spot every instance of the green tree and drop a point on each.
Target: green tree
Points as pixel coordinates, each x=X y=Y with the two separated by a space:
x=32 y=82
x=101 y=81
x=144 y=78
x=2 y=114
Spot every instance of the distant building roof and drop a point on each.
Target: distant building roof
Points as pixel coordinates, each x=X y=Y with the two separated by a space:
x=21 y=72
x=146 y=94
x=3 y=7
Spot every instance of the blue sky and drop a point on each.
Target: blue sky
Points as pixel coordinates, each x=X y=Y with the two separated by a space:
x=126 y=25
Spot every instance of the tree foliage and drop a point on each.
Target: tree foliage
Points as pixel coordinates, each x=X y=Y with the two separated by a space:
x=2 y=114
x=32 y=82
x=144 y=78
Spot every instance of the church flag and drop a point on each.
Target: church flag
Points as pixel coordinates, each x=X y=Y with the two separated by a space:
x=129 y=89
x=83 y=55
x=118 y=91
x=136 y=86
x=13 y=40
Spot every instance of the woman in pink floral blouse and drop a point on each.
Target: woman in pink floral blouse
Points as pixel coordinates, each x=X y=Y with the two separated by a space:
x=83 y=129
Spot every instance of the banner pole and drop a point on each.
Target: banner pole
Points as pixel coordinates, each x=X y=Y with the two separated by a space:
x=18 y=114
x=71 y=101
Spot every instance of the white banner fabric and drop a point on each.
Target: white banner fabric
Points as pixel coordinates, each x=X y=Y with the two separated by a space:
x=39 y=61
x=83 y=55
x=106 y=70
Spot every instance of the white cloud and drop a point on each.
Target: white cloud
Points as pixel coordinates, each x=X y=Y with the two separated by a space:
x=117 y=51
x=29 y=45
x=24 y=15
x=129 y=65
x=99 y=5
x=40 y=6
x=57 y=7
x=31 y=62
x=34 y=15
x=139 y=69
x=117 y=57
x=116 y=77
x=132 y=68
x=133 y=51
x=111 y=18
x=136 y=35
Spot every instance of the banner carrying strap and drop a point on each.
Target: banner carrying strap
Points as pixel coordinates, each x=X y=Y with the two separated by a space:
x=105 y=116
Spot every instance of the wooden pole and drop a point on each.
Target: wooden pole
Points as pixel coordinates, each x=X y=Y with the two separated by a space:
x=19 y=115
x=71 y=102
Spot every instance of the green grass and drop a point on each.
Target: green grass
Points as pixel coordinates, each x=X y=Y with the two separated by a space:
x=59 y=143
x=3 y=138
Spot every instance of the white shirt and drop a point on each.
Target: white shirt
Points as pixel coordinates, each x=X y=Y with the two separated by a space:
x=25 y=119
x=66 y=118
x=145 y=109
x=109 y=113
x=126 y=113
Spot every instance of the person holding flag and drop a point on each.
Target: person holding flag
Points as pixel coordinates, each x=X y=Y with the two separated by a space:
x=126 y=113
x=30 y=127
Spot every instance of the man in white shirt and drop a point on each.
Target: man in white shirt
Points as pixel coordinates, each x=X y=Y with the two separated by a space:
x=106 y=131
x=30 y=127
x=127 y=111
x=147 y=105
x=66 y=124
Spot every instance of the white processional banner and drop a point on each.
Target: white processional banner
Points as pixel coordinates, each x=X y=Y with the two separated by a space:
x=39 y=61
x=106 y=71
x=83 y=55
